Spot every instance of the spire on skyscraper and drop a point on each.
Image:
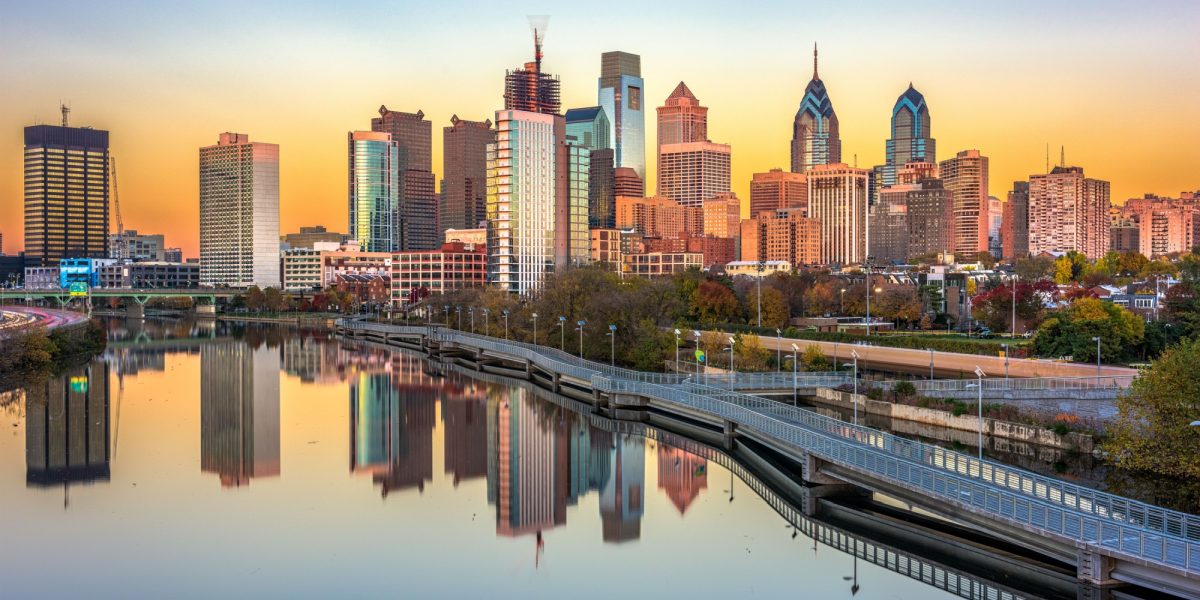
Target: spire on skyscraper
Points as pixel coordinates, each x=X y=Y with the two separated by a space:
x=815 y=62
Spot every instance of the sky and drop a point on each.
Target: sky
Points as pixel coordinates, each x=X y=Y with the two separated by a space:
x=1115 y=83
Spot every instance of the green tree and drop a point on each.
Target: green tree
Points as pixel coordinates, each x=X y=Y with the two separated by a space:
x=273 y=299
x=1070 y=332
x=749 y=353
x=255 y=298
x=1152 y=431
x=1034 y=268
x=775 y=311
x=813 y=359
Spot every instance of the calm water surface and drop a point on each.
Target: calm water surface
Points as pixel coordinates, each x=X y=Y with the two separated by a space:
x=270 y=463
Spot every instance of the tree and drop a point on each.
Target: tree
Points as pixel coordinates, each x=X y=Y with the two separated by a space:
x=273 y=299
x=904 y=389
x=750 y=354
x=813 y=359
x=1071 y=330
x=1034 y=268
x=986 y=259
x=1069 y=267
x=254 y=298
x=714 y=303
x=901 y=303
x=994 y=306
x=774 y=308
x=1152 y=431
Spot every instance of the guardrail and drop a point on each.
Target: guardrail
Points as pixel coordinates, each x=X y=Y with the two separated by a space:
x=1081 y=515
x=1017 y=384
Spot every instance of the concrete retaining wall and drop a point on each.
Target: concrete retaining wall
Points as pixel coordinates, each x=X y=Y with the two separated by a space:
x=968 y=422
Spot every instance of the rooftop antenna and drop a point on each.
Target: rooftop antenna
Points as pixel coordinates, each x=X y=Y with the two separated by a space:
x=538 y=24
x=66 y=110
x=1062 y=158
x=815 y=62
x=1047 y=157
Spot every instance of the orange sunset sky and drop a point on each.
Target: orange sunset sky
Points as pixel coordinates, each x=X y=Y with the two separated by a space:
x=1116 y=83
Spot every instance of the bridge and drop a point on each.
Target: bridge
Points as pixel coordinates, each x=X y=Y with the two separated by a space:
x=1109 y=539
x=205 y=298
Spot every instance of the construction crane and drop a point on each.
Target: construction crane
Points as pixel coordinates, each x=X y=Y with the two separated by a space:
x=112 y=163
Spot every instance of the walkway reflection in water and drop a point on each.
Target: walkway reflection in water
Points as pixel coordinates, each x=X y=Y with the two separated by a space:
x=443 y=451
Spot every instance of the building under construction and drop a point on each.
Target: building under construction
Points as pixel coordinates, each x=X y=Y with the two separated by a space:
x=528 y=88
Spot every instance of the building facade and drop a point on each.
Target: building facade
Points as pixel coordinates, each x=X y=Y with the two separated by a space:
x=966 y=179
x=659 y=264
x=691 y=172
x=521 y=200
x=889 y=224
x=590 y=128
x=1068 y=211
x=315 y=268
x=417 y=201
x=784 y=234
x=930 y=219
x=239 y=213
x=837 y=198
x=454 y=266
x=133 y=246
x=1014 y=234
x=374 y=190
x=777 y=189
x=464 y=173
x=910 y=140
x=815 y=136
x=621 y=88
x=626 y=182
x=652 y=217
x=307 y=236
x=66 y=193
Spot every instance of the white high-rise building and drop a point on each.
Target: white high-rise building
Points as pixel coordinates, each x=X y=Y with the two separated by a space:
x=837 y=197
x=239 y=213
x=521 y=194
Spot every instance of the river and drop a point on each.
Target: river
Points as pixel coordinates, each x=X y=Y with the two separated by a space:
x=198 y=460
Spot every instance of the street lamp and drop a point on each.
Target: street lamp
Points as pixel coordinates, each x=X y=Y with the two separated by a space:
x=581 y=323
x=458 y=311
x=1013 y=333
x=699 y=352
x=868 y=297
x=778 y=350
x=795 y=373
x=732 y=370
x=505 y=313
x=485 y=322
x=676 y=350
x=562 y=334
x=446 y=314
x=930 y=363
x=1005 y=346
x=854 y=355
x=1097 y=340
x=612 y=333
x=979 y=384
x=758 y=284
x=842 y=302
x=535 y=316
x=471 y=311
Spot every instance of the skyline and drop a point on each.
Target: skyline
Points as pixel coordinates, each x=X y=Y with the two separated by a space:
x=316 y=79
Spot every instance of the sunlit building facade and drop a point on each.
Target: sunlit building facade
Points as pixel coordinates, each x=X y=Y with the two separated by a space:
x=837 y=198
x=1068 y=211
x=691 y=172
x=778 y=189
x=911 y=139
x=464 y=173
x=620 y=94
x=374 y=196
x=815 y=136
x=239 y=213
x=966 y=179
x=417 y=205
x=521 y=200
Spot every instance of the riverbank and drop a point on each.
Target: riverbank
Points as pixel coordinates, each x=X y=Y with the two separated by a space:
x=37 y=353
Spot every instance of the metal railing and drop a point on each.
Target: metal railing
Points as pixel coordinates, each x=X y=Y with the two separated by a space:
x=1000 y=384
x=1075 y=513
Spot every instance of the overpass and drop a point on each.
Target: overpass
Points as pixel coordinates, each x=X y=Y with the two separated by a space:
x=1109 y=539
x=205 y=298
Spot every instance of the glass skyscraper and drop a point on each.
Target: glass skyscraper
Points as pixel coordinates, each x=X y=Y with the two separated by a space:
x=590 y=128
x=620 y=95
x=815 y=137
x=521 y=200
x=910 y=141
x=374 y=190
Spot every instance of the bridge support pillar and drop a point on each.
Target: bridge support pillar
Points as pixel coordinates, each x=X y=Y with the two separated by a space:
x=812 y=472
x=555 y=386
x=135 y=310
x=729 y=434
x=1095 y=569
x=528 y=370
x=206 y=311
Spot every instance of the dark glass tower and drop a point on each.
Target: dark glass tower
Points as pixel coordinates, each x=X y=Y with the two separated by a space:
x=66 y=193
x=910 y=141
x=815 y=137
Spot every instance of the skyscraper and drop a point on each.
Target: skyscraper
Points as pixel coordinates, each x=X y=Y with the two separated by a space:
x=889 y=224
x=1068 y=211
x=66 y=193
x=572 y=246
x=837 y=198
x=966 y=178
x=529 y=89
x=930 y=218
x=521 y=199
x=374 y=194
x=620 y=94
x=417 y=205
x=778 y=189
x=815 y=136
x=681 y=119
x=464 y=173
x=692 y=172
x=590 y=128
x=239 y=212
x=782 y=234
x=626 y=182
x=1015 y=229
x=910 y=141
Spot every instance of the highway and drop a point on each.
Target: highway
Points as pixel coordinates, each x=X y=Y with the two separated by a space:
x=17 y=318
x=945 y=364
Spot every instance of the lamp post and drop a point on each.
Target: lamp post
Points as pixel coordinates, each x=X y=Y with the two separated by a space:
x=698 y=350
x=979 y=384
x=471 y=311
x=676 y=350
x=758 y=284
x=581 y=323
x=1005 y=346
x=930 y=363
x=778 y=350
x=535 y=316
x=505 y=313
x=868 y=297
x=612 y=333
x=446 y=314
x=795 y=373
x=1097 y=340
x=732 y=371
x=1013 y=333
x=854 y=355
x=485 y=322
x=458 y=311
x=562 y=335
x=842 y=302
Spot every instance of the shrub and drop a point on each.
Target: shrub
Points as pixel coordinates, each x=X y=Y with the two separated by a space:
x=904 y=389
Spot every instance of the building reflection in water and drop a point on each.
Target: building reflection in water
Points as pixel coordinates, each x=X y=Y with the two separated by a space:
x=464 y=417
x=392 y=415
x=239 y=412
x=67 y=429
x=681 y=475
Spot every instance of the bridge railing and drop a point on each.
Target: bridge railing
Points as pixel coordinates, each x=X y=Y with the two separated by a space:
x=1074 y=512
x=1017 y=384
